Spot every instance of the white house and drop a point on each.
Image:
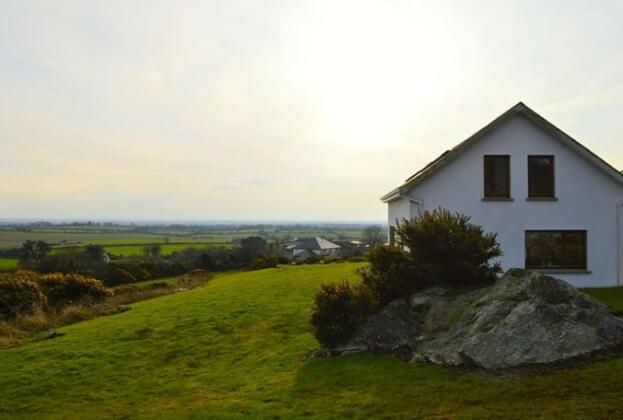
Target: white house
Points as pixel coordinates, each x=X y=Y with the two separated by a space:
x=555 y=206
x=304 y=248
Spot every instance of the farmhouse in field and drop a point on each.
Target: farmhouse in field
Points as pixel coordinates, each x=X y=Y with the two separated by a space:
x=556 y=206
x=305 y=248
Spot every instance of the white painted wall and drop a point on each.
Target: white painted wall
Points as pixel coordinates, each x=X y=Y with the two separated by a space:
x=620 y=242
x=587 y=199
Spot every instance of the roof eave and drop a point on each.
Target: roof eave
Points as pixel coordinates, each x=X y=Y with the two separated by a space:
x=395 y=194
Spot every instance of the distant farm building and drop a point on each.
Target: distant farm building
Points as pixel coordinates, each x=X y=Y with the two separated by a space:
x=305 y=248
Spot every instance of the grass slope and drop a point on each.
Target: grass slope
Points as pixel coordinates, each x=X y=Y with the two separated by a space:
x=233 y=348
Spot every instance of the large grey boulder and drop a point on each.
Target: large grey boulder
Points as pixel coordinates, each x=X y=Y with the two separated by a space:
x=523 y=319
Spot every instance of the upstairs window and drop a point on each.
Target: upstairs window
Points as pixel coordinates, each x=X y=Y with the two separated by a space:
x=497 y=176
x=541 y=176
x=556 y=249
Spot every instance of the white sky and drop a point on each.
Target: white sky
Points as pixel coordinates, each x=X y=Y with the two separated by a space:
x=280 y=109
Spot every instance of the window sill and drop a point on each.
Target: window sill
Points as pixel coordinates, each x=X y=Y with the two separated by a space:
x=559 y=271
x=542 y=199
x=497 y=199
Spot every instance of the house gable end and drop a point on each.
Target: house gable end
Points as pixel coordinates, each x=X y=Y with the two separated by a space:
x=518 y=110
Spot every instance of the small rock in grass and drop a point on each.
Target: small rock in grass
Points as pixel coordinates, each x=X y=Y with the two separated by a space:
x=51 y=333
x=122 y=308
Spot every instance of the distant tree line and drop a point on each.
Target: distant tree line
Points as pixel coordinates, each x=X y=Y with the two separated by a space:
x=252 y=253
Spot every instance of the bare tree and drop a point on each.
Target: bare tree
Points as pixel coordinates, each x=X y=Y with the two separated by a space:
x=373 y=235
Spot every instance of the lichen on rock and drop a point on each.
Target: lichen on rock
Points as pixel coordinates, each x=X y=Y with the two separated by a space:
x=524 y=318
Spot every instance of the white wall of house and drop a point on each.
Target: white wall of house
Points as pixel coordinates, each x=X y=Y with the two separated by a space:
x=620 y=242
x=587 y=199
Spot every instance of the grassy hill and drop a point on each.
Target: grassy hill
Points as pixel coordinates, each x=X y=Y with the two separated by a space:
x=235 y=348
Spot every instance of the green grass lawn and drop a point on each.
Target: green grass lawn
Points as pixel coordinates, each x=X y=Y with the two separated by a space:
x=611 y=296
x=8 y=264
x=235 y=349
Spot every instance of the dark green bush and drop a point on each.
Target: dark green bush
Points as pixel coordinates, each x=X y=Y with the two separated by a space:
x=158 y=285
x=391 y=274
x=265 y=262
x=438 y=248
x=338 y=309
x=312 y=259
x=63 y=289
x=328 y=259
x=19 y=294
x=447 y=249
x=126 y=289
x=116 y=275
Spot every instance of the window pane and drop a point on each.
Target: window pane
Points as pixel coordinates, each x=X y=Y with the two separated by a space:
x=497 y=176
x=556 y=249
x=541 y=176
x=574 y=249
x=544 y=249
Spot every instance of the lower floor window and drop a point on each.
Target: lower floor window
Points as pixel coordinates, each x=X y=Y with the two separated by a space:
x=556 y=249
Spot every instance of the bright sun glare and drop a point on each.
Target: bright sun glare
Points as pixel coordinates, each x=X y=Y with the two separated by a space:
x=369 y=65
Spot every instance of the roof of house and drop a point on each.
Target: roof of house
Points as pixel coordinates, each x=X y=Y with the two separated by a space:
x=316 y=244
x=449 y=155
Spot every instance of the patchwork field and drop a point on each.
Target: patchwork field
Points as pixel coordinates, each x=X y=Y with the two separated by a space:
x=8 y=263
x=9 y=239
x=128 y=240
x=237 y=347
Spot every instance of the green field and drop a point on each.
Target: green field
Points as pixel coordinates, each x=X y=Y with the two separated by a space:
x=167 y=249
x=236 y=348
x=8 y=264
x=63 y=235
x=9 y=239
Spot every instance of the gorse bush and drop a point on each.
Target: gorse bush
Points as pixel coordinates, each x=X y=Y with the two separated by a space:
x=439 y=248
x=64 y=289
x=338 y=309
x=391 y=273
x=446 y=249
x=117 y=275
x=19 y=294
x=23 y=292
x=266 y=262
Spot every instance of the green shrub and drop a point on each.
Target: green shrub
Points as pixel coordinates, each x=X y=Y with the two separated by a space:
x=63 y=289
x=328 y=259
x=391 y=274
x=117 y=275
x=19 y=294
x=312 y=259
x=126 y=289
x=437 y=248
x=265 y=262
x=447 y=249
x=338 y=309
x=158 y=285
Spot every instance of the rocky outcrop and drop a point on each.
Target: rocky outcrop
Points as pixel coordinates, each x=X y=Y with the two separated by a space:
x=522 y=319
